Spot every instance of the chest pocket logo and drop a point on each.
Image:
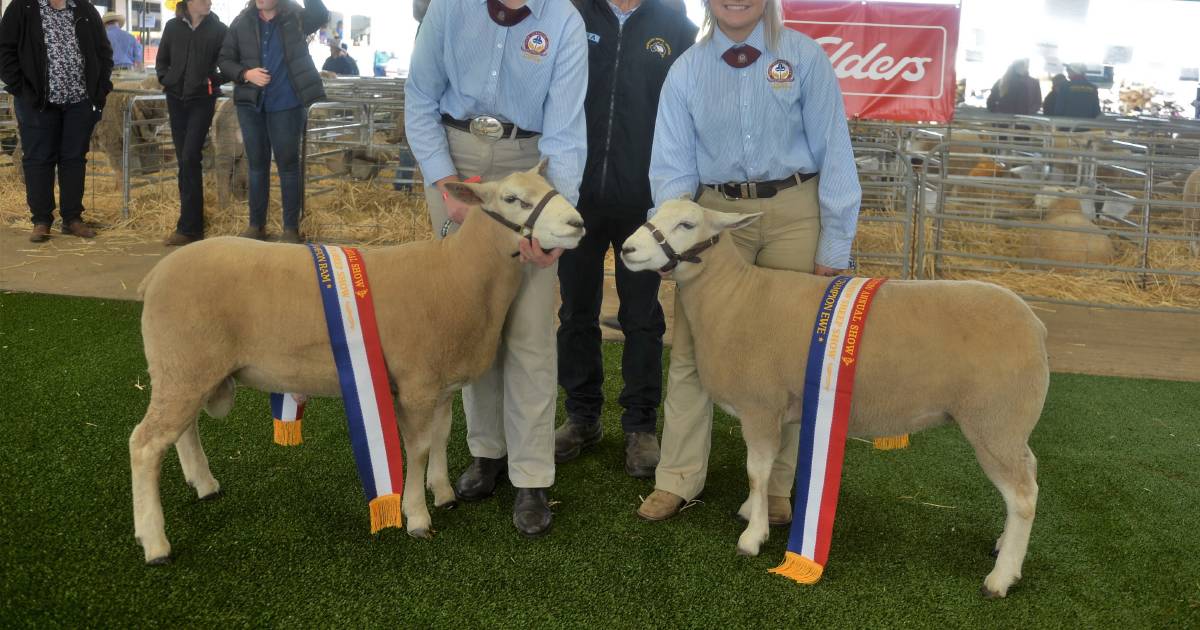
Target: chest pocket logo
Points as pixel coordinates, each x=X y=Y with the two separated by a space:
x=537 y=44
x=780 y=71
x=659 y=46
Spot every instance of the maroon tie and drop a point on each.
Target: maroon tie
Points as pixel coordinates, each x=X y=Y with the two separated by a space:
x=505 y=16
x=741 y=55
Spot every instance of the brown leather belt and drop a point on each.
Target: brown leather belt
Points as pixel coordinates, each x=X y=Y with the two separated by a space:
x=487 y=127
x=760 y=190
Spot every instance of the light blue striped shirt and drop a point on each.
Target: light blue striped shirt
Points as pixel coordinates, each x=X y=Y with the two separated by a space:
x=533 y=74
x=127 y=50
x=621 y=15
x=781 y=114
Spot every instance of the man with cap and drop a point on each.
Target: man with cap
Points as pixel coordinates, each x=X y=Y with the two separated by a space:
x=496 y=102
x=127 y=50
x=1079 y=98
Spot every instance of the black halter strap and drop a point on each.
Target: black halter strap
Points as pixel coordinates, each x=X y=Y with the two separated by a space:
x=524 y=229
x=691 y=254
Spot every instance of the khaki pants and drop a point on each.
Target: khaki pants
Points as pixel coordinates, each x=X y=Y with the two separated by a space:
x=510 y=409
x=784 y=238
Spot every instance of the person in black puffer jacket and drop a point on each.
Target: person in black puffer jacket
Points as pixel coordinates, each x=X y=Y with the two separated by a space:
x=56 y=61
x=187 y=68
x=275 y=80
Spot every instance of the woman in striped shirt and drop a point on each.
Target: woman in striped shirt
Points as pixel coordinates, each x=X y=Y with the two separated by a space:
x=750 y=120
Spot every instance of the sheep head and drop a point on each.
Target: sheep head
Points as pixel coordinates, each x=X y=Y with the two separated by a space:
x=515 y=199
x=675 y=235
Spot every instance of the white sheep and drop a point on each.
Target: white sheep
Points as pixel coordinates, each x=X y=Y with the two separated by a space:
x=934 y=352
x=232 y=309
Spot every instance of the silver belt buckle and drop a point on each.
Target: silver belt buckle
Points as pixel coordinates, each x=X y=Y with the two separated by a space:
x=487 y=128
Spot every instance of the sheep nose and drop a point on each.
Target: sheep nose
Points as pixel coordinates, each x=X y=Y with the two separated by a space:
x=628 y=250
x=575 y=223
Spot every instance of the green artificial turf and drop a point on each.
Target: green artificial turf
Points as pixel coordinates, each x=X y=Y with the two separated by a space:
x=1116 y=542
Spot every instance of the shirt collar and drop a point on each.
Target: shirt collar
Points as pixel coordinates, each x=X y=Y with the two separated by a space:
x=722 y=42
x=535 y=7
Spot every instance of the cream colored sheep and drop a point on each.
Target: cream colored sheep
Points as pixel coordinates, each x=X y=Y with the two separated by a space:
x=1191 y=214
x=232 y=309
x=934 y=352
x=1066 y=245
x=230 y=166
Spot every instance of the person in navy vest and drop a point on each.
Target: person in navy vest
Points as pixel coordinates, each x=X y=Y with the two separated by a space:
x=750 y=119
x=631 y=46
x=1077 y=98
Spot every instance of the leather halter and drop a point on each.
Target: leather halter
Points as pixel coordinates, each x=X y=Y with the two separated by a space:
x=691 y=254
x=524 y=229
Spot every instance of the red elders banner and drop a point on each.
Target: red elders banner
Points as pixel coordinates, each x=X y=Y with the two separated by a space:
x=895 y=61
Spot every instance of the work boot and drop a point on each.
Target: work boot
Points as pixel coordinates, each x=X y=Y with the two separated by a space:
x=40 y=233
x=531 y=512
x=291 y=235
x=779 y=511
x=573 y=436
x=478 y=481
x=660 y=506
x=641 y=454
x=256 y=232
x=176 y=239
x=78 y=228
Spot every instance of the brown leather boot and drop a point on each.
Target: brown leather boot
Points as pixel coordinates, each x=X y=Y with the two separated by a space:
x=78 y=228
x=660 y=506
x=256 y=232
x=176 y=239
x=40 y=233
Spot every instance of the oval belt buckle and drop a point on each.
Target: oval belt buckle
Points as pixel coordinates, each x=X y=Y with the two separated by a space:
x=487 y=128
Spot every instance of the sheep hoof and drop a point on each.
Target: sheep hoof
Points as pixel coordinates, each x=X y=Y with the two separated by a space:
x=213 y=496
x=159 y=561
x=423 y=534
x=449 y=505
x=746 y=552
x=988 y=593
x=995 y=553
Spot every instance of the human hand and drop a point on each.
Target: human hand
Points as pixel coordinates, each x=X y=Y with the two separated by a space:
x=456 y=210
x=258 y=76
x=822 y=270
x=533 y=252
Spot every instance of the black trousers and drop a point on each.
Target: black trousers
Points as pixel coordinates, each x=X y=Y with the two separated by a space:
x=580 y=364
x=190 y=121
x=55 y=139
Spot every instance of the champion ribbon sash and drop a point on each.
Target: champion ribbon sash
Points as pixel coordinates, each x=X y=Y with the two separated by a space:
x=288 y=413
x=828 y=386
x=362 y=374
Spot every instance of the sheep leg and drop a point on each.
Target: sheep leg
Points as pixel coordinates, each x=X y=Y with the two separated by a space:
x=163 y=424
x=195 y=464
x=1014 y=472
x=762 y=434
x=439 y=471
x=415 y=430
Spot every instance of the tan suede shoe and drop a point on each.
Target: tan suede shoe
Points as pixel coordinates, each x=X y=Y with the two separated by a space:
x=660 y=506
x=779 y=511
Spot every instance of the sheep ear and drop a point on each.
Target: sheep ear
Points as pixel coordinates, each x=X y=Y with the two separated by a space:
x=471 y=194
x=731 y=221
x=541 y=167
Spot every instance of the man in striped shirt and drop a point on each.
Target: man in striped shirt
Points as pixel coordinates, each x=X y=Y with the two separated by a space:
x=494 y=86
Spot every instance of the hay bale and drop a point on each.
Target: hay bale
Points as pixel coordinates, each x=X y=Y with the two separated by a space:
x=1191 y=213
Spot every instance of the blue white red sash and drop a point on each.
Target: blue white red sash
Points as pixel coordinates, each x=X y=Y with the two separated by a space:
x=828 y=386
x=362 y=374
x=288 y=412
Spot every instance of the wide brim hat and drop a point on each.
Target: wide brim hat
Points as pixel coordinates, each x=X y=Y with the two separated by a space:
x=113 y=16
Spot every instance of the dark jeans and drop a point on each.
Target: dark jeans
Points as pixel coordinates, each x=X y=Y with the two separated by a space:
x=280 y=133
x=580 y=364
x=55 y=138
x=190 y=121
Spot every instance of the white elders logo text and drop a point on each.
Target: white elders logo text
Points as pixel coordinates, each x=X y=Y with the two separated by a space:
x=894 y=60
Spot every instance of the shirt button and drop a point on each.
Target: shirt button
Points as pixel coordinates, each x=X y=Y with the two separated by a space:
x=493 y=73
x=499 y=45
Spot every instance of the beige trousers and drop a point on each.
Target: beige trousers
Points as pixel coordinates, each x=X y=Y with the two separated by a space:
x=784 y=238
x=510 y=409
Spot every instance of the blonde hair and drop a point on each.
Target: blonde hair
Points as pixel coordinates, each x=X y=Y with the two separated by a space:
x=772 y=19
